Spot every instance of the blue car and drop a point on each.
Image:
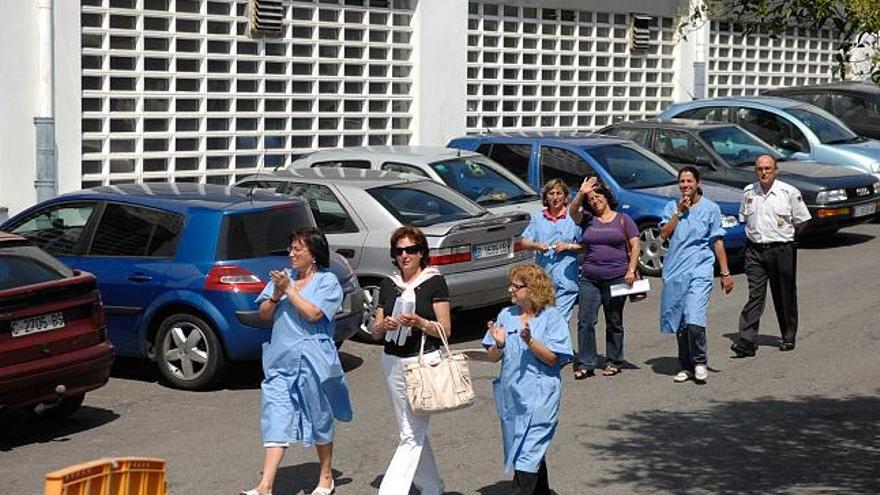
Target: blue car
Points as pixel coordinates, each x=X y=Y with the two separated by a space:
x=179 y=267
x=800 y=131
x=641 y=181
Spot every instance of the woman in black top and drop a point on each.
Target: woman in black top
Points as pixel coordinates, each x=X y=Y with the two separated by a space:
x=423 y=287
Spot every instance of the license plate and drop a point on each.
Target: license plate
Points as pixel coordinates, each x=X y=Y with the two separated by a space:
x=491 y=249
x=37 y=324
x=862 y=210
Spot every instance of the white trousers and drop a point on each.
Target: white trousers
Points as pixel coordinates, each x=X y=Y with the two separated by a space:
x=413 y=461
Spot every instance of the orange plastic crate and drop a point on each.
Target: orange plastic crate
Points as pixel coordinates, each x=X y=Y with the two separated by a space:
x=120 y=476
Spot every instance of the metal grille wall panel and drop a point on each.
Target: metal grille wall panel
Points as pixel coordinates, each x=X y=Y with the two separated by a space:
x=562 y=69
x=177 y=90
x=744 y=66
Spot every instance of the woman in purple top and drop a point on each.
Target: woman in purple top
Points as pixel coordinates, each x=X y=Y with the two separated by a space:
x=611 y=243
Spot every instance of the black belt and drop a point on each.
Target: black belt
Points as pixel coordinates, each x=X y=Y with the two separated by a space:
x=767 y=245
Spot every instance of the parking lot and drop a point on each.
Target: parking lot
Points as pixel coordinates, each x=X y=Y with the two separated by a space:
x=807 y=421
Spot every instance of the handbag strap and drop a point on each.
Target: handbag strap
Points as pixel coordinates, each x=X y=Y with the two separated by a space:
x=439 y=327
x=625 y=239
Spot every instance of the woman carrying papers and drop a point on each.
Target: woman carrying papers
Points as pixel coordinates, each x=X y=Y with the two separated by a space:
x=415 y=285
x=693 y=227
x=611 y=243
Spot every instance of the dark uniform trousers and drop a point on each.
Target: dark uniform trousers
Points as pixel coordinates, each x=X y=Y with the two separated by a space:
x=532 y=483
x=775 y=263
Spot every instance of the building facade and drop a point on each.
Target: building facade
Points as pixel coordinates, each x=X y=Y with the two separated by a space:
x=186 y=91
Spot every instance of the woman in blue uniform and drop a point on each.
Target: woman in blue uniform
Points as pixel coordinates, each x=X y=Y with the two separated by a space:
x=554 y=236
x=532 y=341
x=693 y=227
x=304 y=389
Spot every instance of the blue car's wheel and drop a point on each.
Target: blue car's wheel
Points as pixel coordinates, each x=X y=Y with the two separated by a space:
x=188 y=352
x=653 y=250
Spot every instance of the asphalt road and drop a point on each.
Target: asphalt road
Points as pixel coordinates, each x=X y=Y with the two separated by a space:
x=806 y=421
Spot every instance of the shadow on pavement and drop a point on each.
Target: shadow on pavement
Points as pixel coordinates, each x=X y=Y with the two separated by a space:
x=666 y=365
x=761 y=341
x=21 y=429
x=840 y=239
x=142 y=370
x=303 y=478
x=803 y=445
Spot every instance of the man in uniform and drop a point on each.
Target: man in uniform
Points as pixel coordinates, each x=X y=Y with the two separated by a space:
x=773 y=212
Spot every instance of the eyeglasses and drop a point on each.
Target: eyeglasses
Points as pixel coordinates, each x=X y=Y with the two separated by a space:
x=517 y=286
x=296 y=249
x=397 y=251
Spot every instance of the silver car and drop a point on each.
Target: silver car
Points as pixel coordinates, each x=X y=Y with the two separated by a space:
x=359 y=209
x=479 y=178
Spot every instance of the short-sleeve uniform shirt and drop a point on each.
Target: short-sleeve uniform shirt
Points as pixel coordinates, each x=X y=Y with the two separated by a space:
x=771 y=216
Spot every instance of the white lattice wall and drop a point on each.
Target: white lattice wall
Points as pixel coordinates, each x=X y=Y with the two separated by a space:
x=741 y=65
x=176 y=90
x=548 y=68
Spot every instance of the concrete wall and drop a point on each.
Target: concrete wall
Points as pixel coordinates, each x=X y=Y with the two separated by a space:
x=19 y=59
x=440 y=74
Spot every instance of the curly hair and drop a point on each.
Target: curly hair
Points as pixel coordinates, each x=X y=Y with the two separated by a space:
x=551 y=185
x=540 y=285
x=417 y=237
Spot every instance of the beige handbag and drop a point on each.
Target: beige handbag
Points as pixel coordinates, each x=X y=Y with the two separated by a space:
x=439 y=387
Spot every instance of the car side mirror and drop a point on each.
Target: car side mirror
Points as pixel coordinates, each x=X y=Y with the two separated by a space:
x=703 y=161
x=790 y=145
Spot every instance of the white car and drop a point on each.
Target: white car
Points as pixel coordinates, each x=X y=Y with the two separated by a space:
x=468 y=172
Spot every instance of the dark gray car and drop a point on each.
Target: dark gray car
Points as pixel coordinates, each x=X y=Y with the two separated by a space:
x=836 y=196
x=856 y=103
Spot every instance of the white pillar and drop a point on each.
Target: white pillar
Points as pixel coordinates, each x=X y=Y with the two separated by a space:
x=44 y=120
x=691 y=60
x=439 y=71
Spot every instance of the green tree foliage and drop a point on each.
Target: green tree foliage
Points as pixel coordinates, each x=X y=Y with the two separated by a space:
x=856 y=23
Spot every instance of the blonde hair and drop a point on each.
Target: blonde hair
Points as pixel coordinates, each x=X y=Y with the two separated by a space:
x=551 y=185
x=540 y=285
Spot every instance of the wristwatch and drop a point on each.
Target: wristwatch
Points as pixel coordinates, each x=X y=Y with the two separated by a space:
x=276 y=301
x=679 y=214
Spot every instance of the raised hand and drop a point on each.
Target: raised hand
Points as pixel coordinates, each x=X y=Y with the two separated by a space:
x=498 y=334
x=588 y=185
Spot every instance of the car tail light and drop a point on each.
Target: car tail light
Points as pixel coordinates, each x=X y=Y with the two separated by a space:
x=96 y=312
x=232 y=278
x=518 y=244
x=450 y=255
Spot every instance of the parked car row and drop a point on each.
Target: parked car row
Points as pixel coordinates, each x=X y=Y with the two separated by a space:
x=178 y=267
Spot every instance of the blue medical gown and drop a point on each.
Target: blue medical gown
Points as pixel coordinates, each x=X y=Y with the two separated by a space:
x=688 y=267
x=304 y=387
x=562 y=267
x=527 y=392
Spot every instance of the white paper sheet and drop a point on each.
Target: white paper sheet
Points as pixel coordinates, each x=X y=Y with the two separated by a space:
x=638 y=287
x=401 y=307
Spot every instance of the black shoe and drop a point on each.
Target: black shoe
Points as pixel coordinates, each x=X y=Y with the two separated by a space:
x=786 y=346
x=743 y=350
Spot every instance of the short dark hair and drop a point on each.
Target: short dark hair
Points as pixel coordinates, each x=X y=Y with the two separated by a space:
x=315 y=242
x=603 y=191
x=416 y=236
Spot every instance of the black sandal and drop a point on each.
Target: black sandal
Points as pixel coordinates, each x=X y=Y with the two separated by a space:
x=582 y=374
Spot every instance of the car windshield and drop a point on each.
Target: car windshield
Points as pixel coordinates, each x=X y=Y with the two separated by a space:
x=736 y=146
x=22 y=265
x=632 y=168
x=255 y=234
x=425 y=203
x=828 y=131
x=483 y=181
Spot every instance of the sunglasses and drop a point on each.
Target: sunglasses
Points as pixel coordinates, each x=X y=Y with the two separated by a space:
x=397 y=251
x=517 y=286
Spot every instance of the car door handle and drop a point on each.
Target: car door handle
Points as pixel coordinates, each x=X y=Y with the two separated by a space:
x=348 y=253
x=139 y=277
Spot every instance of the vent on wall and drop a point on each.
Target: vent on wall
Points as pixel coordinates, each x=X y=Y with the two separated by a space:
x=264 y=17
x=640 y=33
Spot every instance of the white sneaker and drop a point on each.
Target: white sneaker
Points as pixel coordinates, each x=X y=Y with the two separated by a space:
x=682 y=376
x=700 y=373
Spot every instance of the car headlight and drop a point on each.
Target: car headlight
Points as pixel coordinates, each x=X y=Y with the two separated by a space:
x=729 y=221
x=831 y=196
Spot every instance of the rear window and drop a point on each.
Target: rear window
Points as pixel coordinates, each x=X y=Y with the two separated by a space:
x=425 y=203
x=27 y=265
x=473 y=177
x=259 y=233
